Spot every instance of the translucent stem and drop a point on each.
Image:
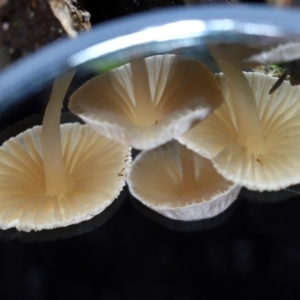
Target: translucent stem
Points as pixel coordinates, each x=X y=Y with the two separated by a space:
x=54 y=169
x=247 y=117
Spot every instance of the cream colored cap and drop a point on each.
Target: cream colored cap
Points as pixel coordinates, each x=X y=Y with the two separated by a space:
x=269 y=166
x=279 y=54
x=252 y=55
x=180 y=184
x=149 y=101
x=96 y=169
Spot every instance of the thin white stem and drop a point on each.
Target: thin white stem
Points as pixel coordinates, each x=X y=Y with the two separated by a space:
x=248 y=121
x=54 y=168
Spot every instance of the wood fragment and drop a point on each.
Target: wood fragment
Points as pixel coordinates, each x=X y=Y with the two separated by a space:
x=278 y=82
x=71 y=18
x=28 y=25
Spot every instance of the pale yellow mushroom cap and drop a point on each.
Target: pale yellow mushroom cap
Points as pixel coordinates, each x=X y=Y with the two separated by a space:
x=149 y=101
x=252 y=55
x=180 y=184
x=270 y=164
x=96 y=169
x=282 y=53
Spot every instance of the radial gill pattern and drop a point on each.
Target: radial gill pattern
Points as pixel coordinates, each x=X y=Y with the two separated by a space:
x=271 y=166
x=180 y=184
x=96 y=170
x=149 y=101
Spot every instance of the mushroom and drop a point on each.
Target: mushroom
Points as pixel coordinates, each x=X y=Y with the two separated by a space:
x=68 y=231
x=250 y=55
x=184 y=226
x=281 y=53
x=53 y=176
x=253 y=139
x=149 y=101
x=179 y=184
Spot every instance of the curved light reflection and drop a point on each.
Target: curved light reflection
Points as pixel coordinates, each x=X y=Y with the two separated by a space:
x=172 y=31
x=180 y=30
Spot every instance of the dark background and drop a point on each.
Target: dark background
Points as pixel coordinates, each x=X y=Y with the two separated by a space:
x=251 y=251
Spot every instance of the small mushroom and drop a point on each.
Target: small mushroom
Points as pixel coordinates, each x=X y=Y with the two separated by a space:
x=179 y=184
x=149 y=101
x=253 y=139
x=282 y=53
x=245 y=55
x=250 y=55
x=53 y=176
x=287 y=56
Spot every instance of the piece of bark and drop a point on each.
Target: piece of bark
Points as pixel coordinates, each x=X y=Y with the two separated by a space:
x=71 y=18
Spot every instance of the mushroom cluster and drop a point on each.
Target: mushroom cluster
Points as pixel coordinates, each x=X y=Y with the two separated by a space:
x=250 y=140
x=147 y=103
x=232 y=133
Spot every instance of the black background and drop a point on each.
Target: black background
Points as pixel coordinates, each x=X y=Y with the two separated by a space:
x=251 y=251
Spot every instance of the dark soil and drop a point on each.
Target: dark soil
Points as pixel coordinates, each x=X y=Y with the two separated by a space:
x=26 y=26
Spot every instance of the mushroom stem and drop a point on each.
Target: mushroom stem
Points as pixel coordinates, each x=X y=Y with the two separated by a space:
x=54 y=169
x=145 y=110
x=246 y=112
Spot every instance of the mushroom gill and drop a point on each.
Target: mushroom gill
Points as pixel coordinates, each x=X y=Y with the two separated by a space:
x=149 y=101
x=53 y=176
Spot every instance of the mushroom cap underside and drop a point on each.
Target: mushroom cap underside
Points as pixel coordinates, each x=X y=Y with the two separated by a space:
x=179 y=184
x=96 y=170
x=276 y=164
x=149 y=101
